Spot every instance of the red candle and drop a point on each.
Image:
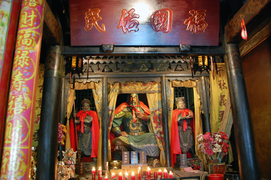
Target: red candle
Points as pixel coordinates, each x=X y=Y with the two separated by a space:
x=160 y=173
x=120 y=176
x=126 y=176
x=165 y=174
x=155 y=175
x=100 y=173
x=139 y=174
x=113 y=176
x=93 y=173
x=106 y=178
x=133 y=176
x=149 y=173
x=170 y=174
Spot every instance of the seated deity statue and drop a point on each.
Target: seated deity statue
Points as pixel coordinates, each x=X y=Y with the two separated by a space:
x=130 y=126
x=182 y=139
x=87 y=126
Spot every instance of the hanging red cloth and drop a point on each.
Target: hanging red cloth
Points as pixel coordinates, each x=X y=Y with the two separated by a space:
x=72 y=136
x=175 y=140
x=95 y=128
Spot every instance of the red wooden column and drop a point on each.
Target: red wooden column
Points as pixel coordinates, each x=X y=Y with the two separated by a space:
x=20 y=112
x=11 y=11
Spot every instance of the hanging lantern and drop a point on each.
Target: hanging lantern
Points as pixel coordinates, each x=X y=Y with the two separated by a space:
x=206 y=61
x=244 y=30
x=201 y=64
x=74 y=65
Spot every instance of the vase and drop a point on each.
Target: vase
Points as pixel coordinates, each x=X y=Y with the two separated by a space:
x=216 y=167
x=215 y=177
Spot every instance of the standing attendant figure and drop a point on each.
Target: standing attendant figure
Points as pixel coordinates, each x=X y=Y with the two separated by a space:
x=182 y=138
x=87 y=126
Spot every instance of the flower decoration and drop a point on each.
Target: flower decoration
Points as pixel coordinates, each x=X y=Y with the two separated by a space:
x=214 y=146
x=194 y=163
x=61 y=131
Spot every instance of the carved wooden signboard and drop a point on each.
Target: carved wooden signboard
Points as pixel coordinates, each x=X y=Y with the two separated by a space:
x=144 y=22
x=134 y=157
x=125 y=158
x=143 y=157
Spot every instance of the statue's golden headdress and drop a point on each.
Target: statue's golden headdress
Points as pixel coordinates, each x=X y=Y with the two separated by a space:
x=180 y=99
x=86 y=101
x=134 y=94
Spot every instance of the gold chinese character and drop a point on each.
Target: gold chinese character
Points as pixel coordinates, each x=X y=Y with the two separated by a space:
x=92 y=17
x=127 y=21
x=22 y=59
x=28 y=18
x=195 y=23
x=18 y=82
x=19 y=107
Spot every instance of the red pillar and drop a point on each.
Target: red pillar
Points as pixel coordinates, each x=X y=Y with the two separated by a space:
x=21 y=103
x=11 y=11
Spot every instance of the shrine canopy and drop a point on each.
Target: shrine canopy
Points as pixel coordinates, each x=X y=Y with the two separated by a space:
x=144 y=22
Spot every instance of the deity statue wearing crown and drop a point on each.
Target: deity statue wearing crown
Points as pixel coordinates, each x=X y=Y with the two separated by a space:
x=182 y=130
x=87 y=127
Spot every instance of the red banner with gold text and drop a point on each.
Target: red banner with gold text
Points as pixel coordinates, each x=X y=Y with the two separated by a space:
x=21 y=103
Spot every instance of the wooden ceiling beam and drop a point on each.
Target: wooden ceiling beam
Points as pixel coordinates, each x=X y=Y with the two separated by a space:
x=151 y=50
